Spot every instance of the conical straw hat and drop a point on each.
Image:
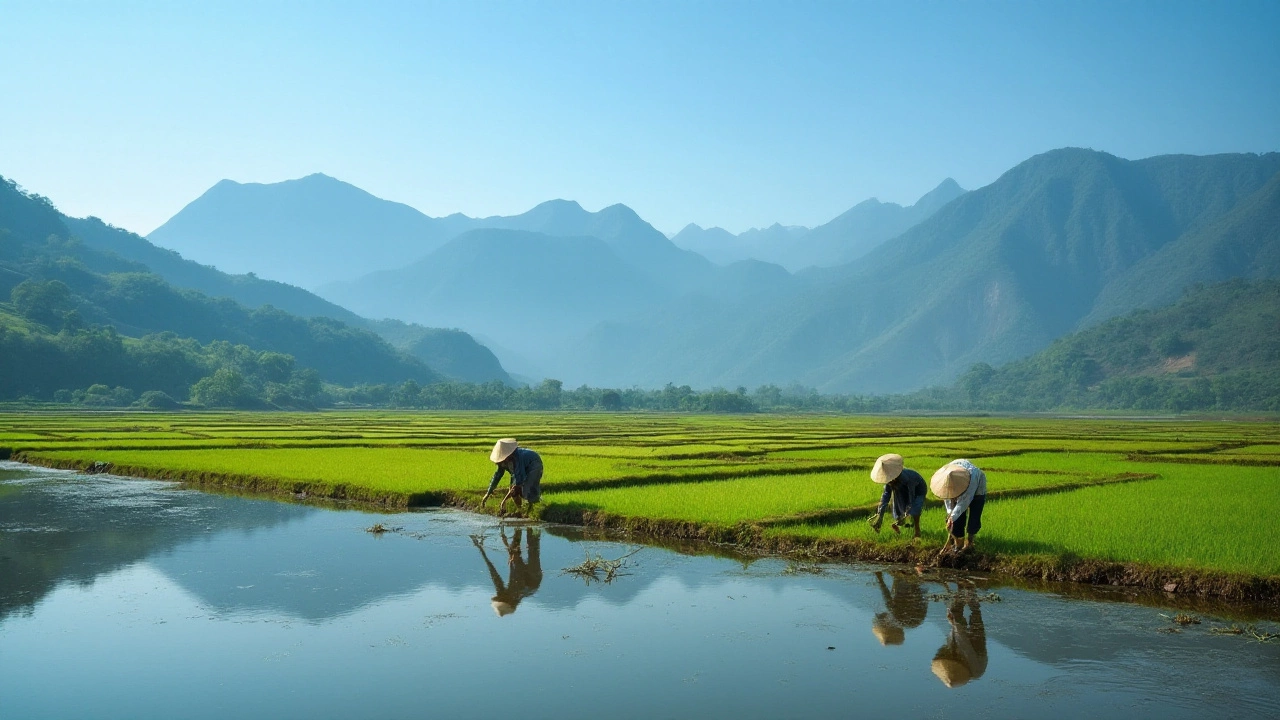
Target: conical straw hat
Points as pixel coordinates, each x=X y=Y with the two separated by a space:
x=952 y=673
x=887 y=468
x=887 y=631
x=502 y=609
x=949 y=482
x=502 y=449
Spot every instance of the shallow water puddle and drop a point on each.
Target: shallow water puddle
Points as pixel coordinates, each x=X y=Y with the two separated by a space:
x=126 y=598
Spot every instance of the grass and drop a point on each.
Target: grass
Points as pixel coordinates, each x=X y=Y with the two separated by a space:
x=1201 y=502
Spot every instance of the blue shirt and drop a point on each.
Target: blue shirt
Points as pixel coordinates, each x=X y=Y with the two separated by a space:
x=903 y=491
x=521 y=463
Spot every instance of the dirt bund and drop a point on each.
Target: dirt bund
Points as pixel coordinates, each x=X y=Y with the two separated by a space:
x=748 y=538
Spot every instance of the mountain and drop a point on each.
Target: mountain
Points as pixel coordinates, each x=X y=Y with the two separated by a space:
x=721 y=246
x=69 y=303
x=845 y=238
x=1218 y=347
x=248 y=290
x=1243 y=243
x=451 y=352
x=539 y=281
x=864 y=227
x=993 y=275
x=304 y=232
x=525 y=289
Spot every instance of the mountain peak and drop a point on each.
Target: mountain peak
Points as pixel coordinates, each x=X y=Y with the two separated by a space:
x=945 y=192
x=558 y=204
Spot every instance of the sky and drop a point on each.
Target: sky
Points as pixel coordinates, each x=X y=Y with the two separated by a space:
x=730 y=114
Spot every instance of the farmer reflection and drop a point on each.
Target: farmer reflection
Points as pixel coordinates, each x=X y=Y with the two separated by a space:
x=964 y=656
x=523 y=578
x=906 y=607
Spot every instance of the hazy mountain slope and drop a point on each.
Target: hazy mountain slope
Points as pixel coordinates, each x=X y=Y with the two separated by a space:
x=715 y=244
x=525 y=289
x=633 y=240
x=865 y=226
x=304 y=232
x=104 y=289
x=451 y=352
x=1243 y=243
x=994 y=275
x=770 y=244
x=847 y=237
x=248 y=290
x=1218 y=346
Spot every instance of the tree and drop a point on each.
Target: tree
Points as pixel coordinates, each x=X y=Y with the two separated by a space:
x=224 y=388
x=611 y=400
x=45 y=302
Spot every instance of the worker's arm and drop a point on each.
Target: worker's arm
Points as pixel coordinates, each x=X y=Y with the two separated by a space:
x=962 y=502
x=884 y=499
x=497 y=475
x=502 y=506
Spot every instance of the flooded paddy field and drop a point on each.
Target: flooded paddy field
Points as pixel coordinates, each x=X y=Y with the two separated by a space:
x=146 y=599
x=1128 y=501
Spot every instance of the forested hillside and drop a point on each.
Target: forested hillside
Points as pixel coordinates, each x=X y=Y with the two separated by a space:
x=1062 y=241
x=79 y=317
x=1216 y=348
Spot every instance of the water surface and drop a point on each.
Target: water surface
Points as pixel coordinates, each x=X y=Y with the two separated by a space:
x=124 y=598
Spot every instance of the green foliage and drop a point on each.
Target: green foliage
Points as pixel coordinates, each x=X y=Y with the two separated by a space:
x=94 y=296
x=1216 y=349
x=45 y=302
x=224 y=388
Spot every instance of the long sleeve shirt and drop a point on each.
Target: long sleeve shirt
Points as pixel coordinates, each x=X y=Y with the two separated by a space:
x=520 y=464
x=902 y=492
x=977 y=486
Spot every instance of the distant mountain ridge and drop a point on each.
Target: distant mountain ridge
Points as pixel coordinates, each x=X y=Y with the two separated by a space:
x=304 y=232
x=848 y=237
x=1060 y=242
x=120 y=279
x=994 y=275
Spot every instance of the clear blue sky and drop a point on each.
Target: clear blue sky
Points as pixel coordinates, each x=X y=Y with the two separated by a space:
x=722 y=113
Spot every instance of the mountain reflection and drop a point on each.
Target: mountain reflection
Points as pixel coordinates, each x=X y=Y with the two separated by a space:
x=59 y=527
x=523 y=577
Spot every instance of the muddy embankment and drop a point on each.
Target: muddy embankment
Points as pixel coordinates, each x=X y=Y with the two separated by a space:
x=764 y=538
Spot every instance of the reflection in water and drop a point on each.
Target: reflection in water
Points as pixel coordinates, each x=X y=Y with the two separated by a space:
x=60 y=527
x=906 y=606
x=523 y=577
x=258 y=598
x=963 y=657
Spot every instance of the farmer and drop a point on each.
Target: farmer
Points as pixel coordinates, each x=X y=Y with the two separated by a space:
x=963 y=489
x=905 y=605
x=963 y=657
x=525 y=467
x=523 y=578
x=904 y=489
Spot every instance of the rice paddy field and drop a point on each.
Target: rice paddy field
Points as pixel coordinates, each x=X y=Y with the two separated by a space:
x=1174 y=494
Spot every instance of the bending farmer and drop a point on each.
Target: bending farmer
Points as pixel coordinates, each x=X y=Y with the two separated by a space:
x=526 y=474
x=904 y=489
x=963 y=489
